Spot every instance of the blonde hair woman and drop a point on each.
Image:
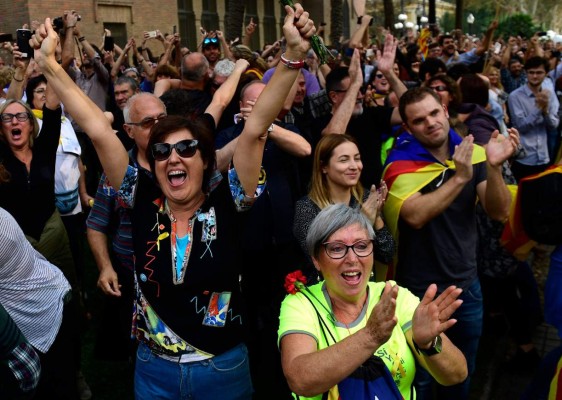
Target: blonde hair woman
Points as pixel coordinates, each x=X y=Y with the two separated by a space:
x=335 y=179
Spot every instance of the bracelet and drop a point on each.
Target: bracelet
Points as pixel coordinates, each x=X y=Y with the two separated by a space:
x=290 y=63
x=70 y=26
x=16 y=79
x=81 y=38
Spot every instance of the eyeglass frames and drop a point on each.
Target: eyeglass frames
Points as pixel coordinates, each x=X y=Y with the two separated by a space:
x=338 y=250
x=21 y=116
x=147 y=123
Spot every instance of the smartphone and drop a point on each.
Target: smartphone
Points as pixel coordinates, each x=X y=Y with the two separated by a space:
x=174 y=29
x=370 y=53
x=152 y=34
x=6 y=37
x=108 y=43
x=22 y=40
x=497 y=48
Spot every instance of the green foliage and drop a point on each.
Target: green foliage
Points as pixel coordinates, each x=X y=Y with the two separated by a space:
x=517 y=24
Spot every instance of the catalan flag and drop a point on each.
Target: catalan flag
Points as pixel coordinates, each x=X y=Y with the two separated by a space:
x=410 y=167
x=423 y=41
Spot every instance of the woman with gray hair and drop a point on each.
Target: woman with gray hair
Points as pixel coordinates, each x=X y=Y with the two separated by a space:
x=329 y=330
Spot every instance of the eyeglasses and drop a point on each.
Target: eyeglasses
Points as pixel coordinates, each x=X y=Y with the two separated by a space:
x=338 y=250
x=88 y=65
x=147 y=123
x=440 y=88
x=185 y=149
x=40 y=91
x=213 y=40
x=21 y=116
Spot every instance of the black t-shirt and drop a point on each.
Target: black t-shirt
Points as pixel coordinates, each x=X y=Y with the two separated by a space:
x=443 y=251
x=30 y=198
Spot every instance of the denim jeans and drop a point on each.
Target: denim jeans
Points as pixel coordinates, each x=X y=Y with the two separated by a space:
x=465 y=334
x=226 y=376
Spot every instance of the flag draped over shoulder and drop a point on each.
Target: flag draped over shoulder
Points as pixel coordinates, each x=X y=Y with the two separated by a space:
x=514 y=238
x=410 y=167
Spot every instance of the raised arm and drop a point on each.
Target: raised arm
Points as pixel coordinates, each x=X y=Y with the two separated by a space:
x=121 y=59
x=359 y=38
x=487 y=40
x=342 y=114
x=386 y=66
x=297 y=28
x=225 y=92
x=111 y=152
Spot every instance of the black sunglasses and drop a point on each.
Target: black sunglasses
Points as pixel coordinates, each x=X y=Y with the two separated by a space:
x=213 y=40
x=185 y=149
x=439 y=88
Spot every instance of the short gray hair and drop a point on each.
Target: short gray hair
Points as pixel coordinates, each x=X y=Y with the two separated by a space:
x=224 y=67
x=331 y=219
x=129 y=106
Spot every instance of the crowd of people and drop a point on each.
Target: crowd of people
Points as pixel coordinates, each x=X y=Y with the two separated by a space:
x=380 y=167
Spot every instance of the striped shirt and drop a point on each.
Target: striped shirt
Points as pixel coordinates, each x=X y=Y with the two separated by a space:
x=31 y=289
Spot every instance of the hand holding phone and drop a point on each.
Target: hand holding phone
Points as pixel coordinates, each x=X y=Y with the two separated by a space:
x=22 y=39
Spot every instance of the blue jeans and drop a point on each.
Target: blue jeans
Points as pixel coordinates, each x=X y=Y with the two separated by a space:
x=465 y=334
x=226 y=376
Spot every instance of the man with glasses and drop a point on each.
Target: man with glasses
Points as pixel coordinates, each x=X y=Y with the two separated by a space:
x=366 y=125
x=533 y=109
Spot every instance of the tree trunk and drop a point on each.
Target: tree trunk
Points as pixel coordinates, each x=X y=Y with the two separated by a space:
x=431 y=14
x=459 y=15
x=235 y=21
x=388 y=15
x=336 y=22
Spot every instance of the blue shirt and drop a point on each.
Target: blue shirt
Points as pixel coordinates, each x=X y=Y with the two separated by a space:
x=469 y=57
x=532 y=124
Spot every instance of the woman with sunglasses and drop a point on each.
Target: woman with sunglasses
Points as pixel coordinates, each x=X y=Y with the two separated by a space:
x=336 y=174
x=189 y=315
x=329 y=330
x=378 y=93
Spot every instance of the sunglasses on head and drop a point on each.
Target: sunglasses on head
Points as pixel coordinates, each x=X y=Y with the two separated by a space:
x=213 y=40
x=185 y=149
x=439 y=88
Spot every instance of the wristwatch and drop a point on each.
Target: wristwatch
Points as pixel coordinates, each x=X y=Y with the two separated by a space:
x=435 y=348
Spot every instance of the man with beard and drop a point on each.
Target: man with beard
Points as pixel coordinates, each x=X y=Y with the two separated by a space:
x=534 y=112
x=449 y=53
x=348 y=116
x=434 y=178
